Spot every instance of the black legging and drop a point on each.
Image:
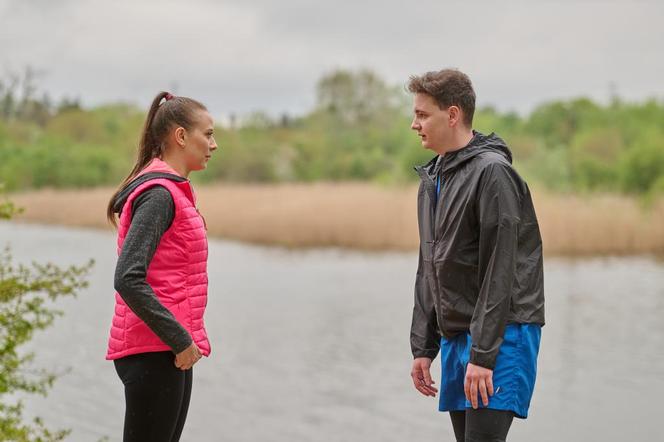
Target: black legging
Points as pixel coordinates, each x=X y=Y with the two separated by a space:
x=157 y=397
x=481 y=425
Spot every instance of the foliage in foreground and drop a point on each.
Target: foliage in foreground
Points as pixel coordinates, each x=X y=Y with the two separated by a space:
x=26 y=293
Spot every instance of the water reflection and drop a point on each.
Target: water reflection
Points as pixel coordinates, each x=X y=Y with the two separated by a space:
x=313 y=346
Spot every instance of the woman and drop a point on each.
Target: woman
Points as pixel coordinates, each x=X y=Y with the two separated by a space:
x=158 y=333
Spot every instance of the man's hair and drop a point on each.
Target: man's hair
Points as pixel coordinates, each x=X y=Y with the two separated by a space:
x=449 y=87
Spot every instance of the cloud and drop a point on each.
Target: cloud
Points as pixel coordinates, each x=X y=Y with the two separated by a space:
x=239 y=56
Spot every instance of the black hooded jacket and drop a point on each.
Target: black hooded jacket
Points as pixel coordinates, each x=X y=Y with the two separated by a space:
x=480 y=264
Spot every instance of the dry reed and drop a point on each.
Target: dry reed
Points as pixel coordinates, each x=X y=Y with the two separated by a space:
x=369 y=217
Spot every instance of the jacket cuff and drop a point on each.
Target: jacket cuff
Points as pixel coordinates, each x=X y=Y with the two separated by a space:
x=431 y=354
x=486 y=360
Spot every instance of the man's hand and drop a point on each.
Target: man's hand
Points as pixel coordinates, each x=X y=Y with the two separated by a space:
x=188 y=357
x=478 y=378
x=422 y=377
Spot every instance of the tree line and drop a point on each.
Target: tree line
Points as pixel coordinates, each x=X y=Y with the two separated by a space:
x=358 y=130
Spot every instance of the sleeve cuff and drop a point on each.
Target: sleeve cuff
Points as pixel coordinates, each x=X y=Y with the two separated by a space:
x=431 y=354
x=182 y=345
x=485 y=360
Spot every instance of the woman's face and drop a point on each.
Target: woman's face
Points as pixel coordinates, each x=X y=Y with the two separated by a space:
x=199 y=141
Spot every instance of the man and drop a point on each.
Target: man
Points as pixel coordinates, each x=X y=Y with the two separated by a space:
x=479 y=296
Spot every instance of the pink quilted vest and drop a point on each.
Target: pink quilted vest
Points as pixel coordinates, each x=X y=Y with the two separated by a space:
x=177 y=272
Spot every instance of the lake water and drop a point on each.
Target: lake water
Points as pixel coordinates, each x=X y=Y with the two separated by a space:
x=314 y=346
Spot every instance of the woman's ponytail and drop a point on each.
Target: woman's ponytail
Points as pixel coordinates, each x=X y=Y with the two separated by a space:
x=150 y=146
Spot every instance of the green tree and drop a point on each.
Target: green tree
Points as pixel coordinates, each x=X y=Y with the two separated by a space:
x=643 y=164
x=24 y=295
x=594 y=157
x=354 y=97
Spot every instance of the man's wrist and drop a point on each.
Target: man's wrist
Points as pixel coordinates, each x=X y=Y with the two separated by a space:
x=482 y=360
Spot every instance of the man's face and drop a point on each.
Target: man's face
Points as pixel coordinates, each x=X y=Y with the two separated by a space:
x=431 y=123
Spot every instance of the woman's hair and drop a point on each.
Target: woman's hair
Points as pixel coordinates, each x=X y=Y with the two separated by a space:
x=162 y=116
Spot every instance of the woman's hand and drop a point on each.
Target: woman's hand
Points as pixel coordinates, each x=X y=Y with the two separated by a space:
x=187 y=358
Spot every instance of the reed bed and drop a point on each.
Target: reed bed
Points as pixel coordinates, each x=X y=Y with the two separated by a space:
x=368 y=217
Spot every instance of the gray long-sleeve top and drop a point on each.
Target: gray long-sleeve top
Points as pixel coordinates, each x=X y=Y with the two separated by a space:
x=152 y=214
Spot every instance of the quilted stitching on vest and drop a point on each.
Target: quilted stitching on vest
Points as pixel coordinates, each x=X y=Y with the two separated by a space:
x=177 y=274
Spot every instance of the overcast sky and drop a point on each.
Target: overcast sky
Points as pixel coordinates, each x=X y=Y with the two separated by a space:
x=243 y=55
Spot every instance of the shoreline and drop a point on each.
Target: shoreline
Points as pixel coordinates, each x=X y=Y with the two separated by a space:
x=365 y=216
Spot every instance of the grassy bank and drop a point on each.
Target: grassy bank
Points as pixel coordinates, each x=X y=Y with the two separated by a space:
x=369 y=217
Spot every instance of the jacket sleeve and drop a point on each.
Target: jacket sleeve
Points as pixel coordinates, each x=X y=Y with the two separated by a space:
x=152 y=214
x=424 y=335
x=498 y=209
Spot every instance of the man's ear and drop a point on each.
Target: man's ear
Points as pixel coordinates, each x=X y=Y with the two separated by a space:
x=455 y=115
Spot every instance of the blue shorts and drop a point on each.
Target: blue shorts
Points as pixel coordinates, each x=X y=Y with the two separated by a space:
x=513 y=375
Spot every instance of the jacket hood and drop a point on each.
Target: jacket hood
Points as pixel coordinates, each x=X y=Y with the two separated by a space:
x=156 y=168
x=479 y=144
x=123 y=195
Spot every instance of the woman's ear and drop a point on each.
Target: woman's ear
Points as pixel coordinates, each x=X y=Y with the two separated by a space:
x=180 y=135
